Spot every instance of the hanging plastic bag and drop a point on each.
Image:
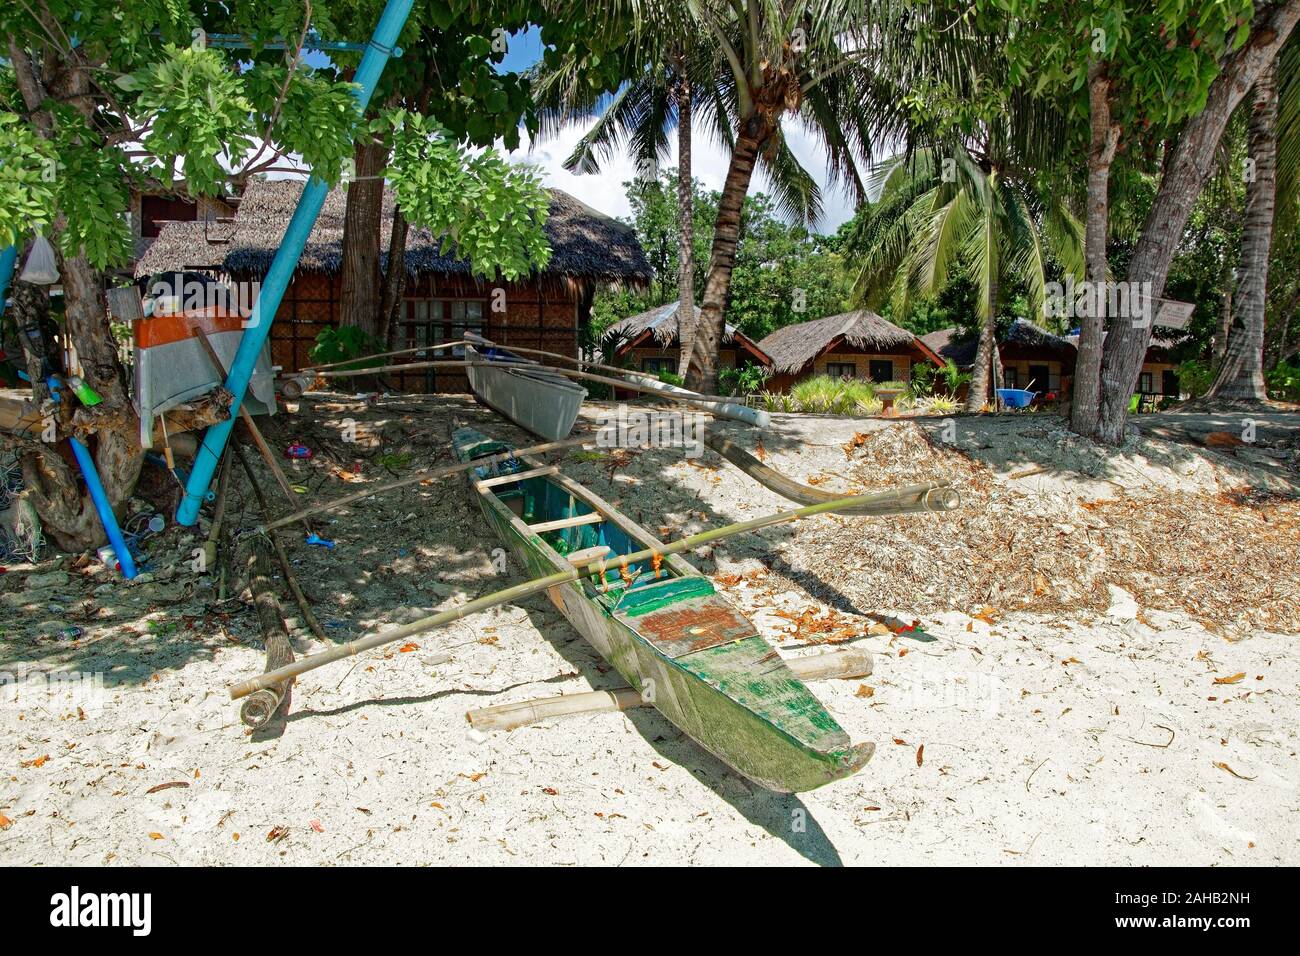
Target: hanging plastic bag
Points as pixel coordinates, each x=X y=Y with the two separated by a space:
x=42 y=268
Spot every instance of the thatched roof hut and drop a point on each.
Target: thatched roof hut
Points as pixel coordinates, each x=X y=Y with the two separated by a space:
x=185 y=247
x=659 y=328
x=1023 y=340
x=585 y=244
x=797 y=346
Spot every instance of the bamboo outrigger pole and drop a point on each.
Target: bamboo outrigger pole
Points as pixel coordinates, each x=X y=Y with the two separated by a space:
x=427 y=474
x=828 y=665
x=926 y=497
x=664 y=391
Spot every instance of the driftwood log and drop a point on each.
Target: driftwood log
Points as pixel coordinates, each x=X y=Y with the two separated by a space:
x=260 y=707
x=848 y=662
x=281 y=556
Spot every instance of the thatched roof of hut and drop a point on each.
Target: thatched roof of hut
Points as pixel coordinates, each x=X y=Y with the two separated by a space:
x=185 y=246
x=661 y=324
x=959 y=345
x=794 y=346
x=585 y=244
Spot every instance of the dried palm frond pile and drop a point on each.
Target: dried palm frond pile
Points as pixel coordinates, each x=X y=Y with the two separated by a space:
x=1229 y=560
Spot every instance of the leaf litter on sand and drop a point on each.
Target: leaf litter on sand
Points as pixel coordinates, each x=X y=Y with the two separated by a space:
x=1225 y=558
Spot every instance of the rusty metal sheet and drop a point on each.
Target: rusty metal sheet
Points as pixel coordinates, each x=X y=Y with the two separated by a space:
x=689 y=625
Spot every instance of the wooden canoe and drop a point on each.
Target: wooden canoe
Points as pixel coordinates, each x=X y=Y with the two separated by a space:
x=532 y=397
x=697 y=659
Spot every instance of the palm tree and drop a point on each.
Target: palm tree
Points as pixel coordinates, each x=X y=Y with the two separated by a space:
x=796 y=58
x=1274 y=131
x=674 y=76
x=975 y=209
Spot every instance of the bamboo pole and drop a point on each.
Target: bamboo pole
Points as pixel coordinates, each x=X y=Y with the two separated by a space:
x=218 y=515
x=680 y=396
x=787 y=487
x=313 y=369
x=845 y=663
x=427 y=475
x=262 y=447
x=918 y=497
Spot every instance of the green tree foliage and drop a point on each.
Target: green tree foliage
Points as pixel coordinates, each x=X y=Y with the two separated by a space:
x=491 y=211
x=783 y=274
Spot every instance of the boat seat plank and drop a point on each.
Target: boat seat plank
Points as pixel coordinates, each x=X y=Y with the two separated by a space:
x=574 y=521
x=587 y=555
x=517 y=476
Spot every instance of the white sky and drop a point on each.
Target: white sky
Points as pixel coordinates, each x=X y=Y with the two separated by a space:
x=604 y=192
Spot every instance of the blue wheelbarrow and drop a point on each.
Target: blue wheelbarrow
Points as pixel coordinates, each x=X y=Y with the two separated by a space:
x=1016 y=397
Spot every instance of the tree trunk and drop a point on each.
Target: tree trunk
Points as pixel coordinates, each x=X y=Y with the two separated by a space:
x=1084 y=405
x=1186 y=171
x=1241 y=376
x=685 y=230
x=394 y=279
x=702 y=373
x=67 y=516
x=1219 y=343
x=362 y=220
x=977 y=394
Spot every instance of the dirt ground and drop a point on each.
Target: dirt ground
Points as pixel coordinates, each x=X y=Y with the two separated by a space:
x=1103 y=669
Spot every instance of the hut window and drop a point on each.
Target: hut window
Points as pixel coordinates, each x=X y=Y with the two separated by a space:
x=656 y=365
x=1010 y=377
x=841 y=370
x=431 y=321
x=882 y=370
x=1145 y=383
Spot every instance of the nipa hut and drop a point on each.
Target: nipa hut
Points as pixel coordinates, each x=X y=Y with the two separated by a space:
x=857 y=344
x=1032 y=357
x=443 y=296
x=651 y=342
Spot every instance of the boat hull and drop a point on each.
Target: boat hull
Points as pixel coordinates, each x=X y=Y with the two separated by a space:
x=541 y=402
x=696 y=659
x=172 y=367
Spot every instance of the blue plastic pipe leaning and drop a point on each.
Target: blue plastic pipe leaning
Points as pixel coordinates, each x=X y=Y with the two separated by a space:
x=8 y=257
x=106 y=516
x=281 y=271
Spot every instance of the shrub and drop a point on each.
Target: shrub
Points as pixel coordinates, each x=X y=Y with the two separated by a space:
x=939 y=405
x=347 y=342
x=1195 y=377
x=742 y=381
x=953 y=377
x=923 y=375
x=1283 y=382
x=671 y=378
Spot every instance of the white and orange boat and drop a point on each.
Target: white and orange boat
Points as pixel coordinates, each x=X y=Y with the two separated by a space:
x=171 y=365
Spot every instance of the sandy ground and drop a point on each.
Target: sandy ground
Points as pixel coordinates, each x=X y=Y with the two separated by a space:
x=1052 y=720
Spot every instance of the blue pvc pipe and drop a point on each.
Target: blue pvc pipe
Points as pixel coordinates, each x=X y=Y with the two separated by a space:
x=281 y=271
x=106 y=516
x=8 y=258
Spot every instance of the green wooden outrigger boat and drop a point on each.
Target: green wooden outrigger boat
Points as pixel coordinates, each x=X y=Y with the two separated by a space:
x=692 y=655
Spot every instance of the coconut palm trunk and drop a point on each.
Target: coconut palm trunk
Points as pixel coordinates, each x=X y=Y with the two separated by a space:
x=1086 y=399
x=685 y=229
x=977 y=395
x=1241 y=376
x=390 y=307
x=702 y=372
x=1186 y=170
